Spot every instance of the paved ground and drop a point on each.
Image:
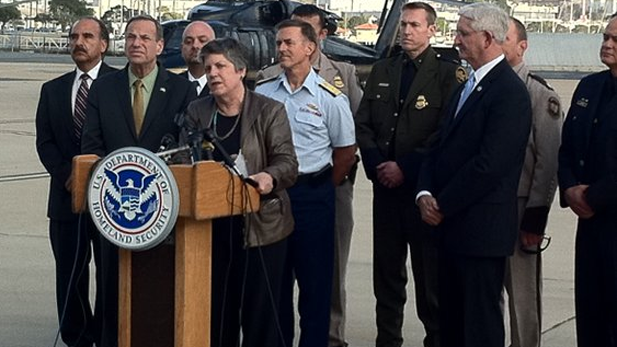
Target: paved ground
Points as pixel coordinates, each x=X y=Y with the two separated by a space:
x=27 y=308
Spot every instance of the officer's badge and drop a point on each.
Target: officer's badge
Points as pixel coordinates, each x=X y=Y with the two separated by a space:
x=582 y=102
x=338 y=82
x=384 y=84
x=461 y=75
x=554 y=108
x=421 y=102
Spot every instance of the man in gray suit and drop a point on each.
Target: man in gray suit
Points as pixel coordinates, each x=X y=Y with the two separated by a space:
x=343 y=76
x=536 y=190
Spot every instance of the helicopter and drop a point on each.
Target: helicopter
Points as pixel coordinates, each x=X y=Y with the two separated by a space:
x=252 y=23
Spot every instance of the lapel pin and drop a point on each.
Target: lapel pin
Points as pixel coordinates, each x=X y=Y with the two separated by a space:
x=163 y=90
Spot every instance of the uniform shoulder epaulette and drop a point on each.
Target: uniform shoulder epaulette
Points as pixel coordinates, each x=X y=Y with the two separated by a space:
x=260 y=82
x=541 y=80
x=447 y=59
x=330 y=88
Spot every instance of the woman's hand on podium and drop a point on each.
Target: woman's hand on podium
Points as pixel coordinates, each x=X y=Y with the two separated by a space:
x=264 y=181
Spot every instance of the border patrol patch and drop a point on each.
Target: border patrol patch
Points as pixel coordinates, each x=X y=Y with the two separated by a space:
x=461 y=75
x=554 y=108
x=330 y=88
x=338 y=82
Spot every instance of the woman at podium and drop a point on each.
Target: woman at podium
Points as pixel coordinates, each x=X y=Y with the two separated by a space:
x=248 y=252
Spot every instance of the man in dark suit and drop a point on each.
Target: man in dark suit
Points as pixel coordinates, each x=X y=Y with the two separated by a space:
x=59 y=121
x=194 y=37
x=398 y=115
x=468 y=185
x=136 y=106
x=587 y=171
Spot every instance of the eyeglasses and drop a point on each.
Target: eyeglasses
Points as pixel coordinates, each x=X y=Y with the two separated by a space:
x=543 y=245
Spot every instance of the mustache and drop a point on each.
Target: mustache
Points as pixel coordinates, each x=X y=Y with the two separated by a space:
x=79 y=49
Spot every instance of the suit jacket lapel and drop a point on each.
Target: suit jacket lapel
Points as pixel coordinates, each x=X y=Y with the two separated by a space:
x=478 y=92
x=158 y=100
x=66 y=111
x=124 y=95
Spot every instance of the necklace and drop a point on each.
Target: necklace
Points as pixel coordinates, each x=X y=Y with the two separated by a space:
x=231 y=131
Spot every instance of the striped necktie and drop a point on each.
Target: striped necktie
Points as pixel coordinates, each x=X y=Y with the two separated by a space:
x=79 y=113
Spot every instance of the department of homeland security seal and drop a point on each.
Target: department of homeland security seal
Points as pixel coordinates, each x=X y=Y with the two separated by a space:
x=133 y=198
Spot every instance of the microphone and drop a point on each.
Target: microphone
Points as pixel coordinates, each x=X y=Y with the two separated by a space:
x=230 y=163
x=167 y=142
x=195 y=140
x=168 y=153
x=209 y=148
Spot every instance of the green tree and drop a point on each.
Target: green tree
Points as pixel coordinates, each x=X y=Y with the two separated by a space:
x=355 y=21
x=8 y=14
x=165 y=16
x=66 y=12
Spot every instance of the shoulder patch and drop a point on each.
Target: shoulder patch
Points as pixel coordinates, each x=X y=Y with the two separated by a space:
x=461 y=75
x=554 y=107
x=330 y=88
x=541 y=80
x=260 y=82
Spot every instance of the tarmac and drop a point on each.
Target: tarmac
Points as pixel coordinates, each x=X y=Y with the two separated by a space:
x=27 y=295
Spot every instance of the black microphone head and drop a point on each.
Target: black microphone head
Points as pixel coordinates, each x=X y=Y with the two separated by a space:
x=195 y=136
x=209 y=135
x=168 y=139
x=167 y=142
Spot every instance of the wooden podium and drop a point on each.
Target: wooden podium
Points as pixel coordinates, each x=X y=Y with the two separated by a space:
x=207 y=191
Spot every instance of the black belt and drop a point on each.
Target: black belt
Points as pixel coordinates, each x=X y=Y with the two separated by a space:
x=316 y=177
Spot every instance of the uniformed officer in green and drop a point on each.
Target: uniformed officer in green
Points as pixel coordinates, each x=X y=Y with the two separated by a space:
x=536 y=190
x=343 y=76
x=398 y=116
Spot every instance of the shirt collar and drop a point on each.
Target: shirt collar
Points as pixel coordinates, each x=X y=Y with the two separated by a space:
x=93 y=73
x=417 y=61
x=486 y=68
x=310 y=82
x=148 y=80
x=202 y=80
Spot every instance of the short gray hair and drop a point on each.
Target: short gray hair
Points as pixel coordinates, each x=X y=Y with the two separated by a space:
x=487 y=17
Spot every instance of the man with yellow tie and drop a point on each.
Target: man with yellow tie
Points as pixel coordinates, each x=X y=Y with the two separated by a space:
x=136 y=106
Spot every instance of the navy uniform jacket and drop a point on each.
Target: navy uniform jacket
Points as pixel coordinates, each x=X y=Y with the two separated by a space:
x=474 y=169
x=584 y=116
x=380 y=118
x=110 y=124
x=55 y=140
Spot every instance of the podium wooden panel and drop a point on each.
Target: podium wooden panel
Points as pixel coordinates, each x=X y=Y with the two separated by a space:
x=207 y=191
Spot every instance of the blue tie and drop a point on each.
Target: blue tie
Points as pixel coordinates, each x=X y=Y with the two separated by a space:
x=466 y=92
